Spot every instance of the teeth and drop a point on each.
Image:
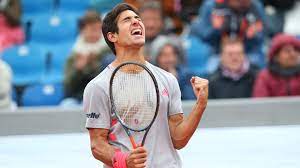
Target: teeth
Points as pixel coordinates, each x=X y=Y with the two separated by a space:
x=136 y=31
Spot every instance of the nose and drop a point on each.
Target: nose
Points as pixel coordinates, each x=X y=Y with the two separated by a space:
x=135 y=21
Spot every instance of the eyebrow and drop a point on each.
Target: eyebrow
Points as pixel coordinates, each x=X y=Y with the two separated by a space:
x=129 y=17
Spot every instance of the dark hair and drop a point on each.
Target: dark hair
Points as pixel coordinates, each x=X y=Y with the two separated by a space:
x=230 y=40
x=89 y=17
x=110 y=22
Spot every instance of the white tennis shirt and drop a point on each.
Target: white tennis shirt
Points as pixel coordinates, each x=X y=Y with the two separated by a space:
x=159 y=146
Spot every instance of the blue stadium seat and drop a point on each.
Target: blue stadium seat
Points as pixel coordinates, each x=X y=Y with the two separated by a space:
x=56 y=57
x=54 y=28
x=74 y=5
x=43 y=95
x=39 y=6
x=198 y=54
x=27 y=62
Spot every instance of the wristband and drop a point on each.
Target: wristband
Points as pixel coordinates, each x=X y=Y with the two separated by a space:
x=119 y=159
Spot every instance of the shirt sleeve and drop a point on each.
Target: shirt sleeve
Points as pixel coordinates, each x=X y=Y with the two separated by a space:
x=175 y=105
x=96 y=106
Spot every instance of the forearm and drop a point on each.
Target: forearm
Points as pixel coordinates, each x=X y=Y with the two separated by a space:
x=184 y=130
x=104 y=152
x=100 y=147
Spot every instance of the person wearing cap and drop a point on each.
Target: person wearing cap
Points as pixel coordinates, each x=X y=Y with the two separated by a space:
x=282 y=75
x=5 y=87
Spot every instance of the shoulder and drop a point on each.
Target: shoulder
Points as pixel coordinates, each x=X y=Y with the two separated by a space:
x=162 y=74
x=101 y=81
x=215 y=76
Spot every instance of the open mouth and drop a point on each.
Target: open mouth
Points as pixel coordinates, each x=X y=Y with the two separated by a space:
x=136 y=32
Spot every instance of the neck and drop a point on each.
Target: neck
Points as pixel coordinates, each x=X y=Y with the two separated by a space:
x=129 y=54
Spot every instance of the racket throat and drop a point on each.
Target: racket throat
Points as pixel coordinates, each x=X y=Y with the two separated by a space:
x=132 y=141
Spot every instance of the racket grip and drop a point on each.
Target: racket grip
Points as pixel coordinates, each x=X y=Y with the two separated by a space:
x=132 y=142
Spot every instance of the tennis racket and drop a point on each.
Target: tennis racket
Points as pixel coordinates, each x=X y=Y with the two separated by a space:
x=134 y=98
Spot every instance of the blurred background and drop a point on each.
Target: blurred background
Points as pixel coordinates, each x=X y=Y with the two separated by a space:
x=248 y=49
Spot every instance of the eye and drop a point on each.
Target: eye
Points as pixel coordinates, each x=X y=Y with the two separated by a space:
x=138 y=18
x=126 y=19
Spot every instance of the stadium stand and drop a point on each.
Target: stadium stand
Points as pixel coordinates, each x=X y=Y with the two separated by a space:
x=56 y=57
x=53 y=28
x=27 y=62
x=43 y=95
x=78 y=6
x=35 y=7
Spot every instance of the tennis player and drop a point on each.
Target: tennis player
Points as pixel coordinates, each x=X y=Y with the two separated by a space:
x=124 y=32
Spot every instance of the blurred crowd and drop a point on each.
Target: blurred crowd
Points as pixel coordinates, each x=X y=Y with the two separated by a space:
x=246 y=48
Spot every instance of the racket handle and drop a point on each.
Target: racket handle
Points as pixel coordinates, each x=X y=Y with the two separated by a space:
x=132 y=142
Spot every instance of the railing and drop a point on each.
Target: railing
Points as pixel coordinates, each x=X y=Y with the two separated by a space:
x=219 y=113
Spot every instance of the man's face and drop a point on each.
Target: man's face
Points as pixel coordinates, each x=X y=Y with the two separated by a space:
x=167 y=59
x=288 y=56
x=92 y=32
x=233 y=56
x=131 y=30
x=239 y=5
x=153 y=22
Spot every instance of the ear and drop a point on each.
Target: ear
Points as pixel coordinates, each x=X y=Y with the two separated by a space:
x=112 y=37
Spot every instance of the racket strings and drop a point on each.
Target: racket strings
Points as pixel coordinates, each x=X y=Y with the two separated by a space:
x=134 y=97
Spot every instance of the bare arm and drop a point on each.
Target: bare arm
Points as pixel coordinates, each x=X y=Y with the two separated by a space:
x=104 y=152
x=100 y=147
x=182 y=128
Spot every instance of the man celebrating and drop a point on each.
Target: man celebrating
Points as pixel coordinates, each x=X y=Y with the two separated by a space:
x=124 y=33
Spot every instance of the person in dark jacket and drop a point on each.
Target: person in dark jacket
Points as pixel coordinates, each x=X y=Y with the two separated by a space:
x=235 y=76
x=282 y=76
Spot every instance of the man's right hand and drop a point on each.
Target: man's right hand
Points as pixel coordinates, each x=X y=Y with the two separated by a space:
x=137 y=158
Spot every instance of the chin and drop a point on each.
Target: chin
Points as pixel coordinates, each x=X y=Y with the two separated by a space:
x=140 y=43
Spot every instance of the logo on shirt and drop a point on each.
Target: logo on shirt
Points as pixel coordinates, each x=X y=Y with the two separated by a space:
x=93 y=115
x=165 y=92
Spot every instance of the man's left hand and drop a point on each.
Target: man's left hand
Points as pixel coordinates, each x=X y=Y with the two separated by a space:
x=200 y=88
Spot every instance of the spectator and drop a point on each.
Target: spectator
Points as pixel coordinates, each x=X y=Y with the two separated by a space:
x=234 y=18
x=282 y=76
x=235 y=76
x=169 y=10
x=5 y=87
x=10 y=30
x=84 y=62
x=153 y=19
x=152 y=16
x=166 y=53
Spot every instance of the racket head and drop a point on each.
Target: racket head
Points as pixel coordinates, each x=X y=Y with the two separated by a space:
x=134 y=96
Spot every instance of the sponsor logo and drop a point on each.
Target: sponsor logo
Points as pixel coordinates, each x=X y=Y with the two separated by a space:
x=93 y=115
x=165 y=92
